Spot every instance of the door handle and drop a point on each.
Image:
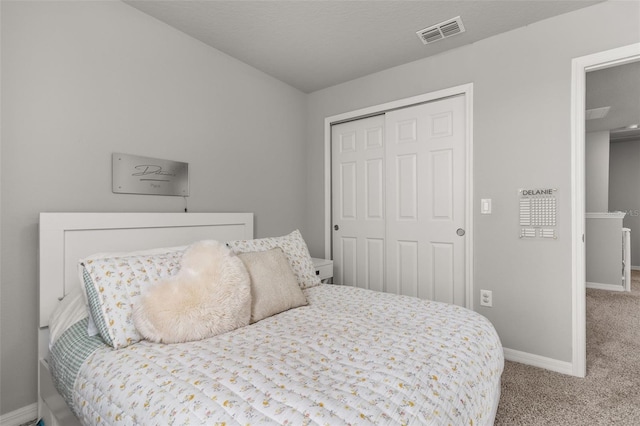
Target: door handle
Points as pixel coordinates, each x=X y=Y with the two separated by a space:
x=460 y=232
x=336 y=227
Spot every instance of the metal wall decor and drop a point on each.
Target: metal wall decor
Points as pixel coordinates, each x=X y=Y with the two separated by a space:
x=133 y=174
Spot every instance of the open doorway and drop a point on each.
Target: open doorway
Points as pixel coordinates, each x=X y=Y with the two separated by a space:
x=580 y=67
x=612 y=174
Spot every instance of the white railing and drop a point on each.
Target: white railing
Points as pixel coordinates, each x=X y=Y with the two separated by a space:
x=626 y=259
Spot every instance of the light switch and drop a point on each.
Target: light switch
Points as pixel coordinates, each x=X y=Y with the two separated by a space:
x=485 y=206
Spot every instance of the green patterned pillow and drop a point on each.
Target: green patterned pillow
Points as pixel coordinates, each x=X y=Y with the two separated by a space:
x=113 y=286
x=294 y=248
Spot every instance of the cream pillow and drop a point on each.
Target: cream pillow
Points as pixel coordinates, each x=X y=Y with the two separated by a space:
x=274 y=287
x=294 y=248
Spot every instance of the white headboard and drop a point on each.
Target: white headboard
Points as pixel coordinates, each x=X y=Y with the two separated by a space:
x=67 y=237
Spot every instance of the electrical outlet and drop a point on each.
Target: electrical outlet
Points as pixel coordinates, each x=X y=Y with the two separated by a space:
x=486 y=298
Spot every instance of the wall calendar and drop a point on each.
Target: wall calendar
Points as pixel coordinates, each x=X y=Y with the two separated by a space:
x=538 y=213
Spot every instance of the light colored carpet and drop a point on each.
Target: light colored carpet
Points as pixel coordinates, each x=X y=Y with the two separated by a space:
x=609 y=395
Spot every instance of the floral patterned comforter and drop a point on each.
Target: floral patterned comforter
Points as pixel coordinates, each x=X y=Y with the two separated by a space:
x=351 y=356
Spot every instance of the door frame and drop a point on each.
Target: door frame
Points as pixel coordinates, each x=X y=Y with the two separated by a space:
x=579 y=68
x=467 y=91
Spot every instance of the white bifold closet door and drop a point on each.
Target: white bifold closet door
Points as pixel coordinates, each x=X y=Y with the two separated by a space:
x=398 y=194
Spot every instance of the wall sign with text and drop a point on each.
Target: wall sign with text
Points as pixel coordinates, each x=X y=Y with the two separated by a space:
x=133 y=174
x=538 y=213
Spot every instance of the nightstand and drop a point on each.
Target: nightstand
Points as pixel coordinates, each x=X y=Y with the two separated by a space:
x=324 y=268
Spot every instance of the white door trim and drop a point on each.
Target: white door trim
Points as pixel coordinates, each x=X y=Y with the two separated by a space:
x=465 y=89
x=579 y=67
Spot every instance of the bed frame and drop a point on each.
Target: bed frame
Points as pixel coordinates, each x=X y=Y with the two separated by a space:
x=67 y=237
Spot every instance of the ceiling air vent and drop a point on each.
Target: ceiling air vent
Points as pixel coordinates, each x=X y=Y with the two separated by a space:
x=595 y=113
x=442 y=30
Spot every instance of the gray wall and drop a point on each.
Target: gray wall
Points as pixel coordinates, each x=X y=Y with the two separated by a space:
x=522 y=134
x=596 y=155
x=81 y=80
x=624 y=195
x=603 y=250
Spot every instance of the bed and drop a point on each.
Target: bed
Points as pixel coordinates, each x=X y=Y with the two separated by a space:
x=345 y=356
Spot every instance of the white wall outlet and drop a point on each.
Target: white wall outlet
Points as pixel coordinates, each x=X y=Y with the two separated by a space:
x=486 y=298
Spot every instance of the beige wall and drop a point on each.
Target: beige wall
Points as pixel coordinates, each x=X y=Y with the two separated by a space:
x=81 y=80
x=522 y=134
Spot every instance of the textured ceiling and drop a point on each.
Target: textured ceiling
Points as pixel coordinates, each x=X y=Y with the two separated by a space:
x=312 y=44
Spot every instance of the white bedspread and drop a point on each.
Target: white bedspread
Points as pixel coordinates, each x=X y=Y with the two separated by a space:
x=351 y=357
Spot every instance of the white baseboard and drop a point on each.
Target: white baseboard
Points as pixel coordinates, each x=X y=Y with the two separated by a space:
x=538 y=361
x=600 y=286
x=635 y=268
x=19 y=416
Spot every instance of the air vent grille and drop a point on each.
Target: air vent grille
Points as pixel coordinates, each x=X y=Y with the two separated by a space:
x=442 y=30
x=431 y=35
x=595 y=113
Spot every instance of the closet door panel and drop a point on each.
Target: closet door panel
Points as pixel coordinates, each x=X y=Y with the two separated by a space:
x=358 y=201
x=408 y=270
x=443 y=275
x=348 y=259
x=442 y=180
x=348 y=191
x=425 y=152
x=374 y=194
x=374 y=266
x=406 y=187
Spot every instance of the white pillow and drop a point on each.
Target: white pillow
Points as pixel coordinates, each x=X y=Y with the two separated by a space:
x=92 y=328
x=294 y=248
x=69 y=311
x=113 y=282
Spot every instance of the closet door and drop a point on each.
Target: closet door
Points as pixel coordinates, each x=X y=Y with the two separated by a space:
x=425 y=204
x=358 y=185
